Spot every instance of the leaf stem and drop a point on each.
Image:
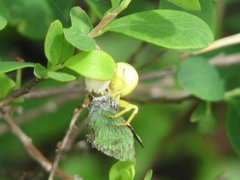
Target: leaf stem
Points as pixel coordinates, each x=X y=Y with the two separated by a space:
x=108 y=17
x=232 y=93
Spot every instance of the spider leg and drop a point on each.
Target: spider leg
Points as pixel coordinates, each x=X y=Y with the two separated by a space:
x=126 y=107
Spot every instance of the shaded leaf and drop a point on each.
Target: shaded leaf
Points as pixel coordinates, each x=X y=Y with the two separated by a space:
x=7 y=84
x=60 y=76
x=56 y=48
x=80 y=19
x=79 y=39
x=167 y=28
x=186 y=4
x=95 y=64
x=13 y=65
x=207 y=12
x=122 y=170
x=98 y=7
x=197 y=76
x=232 y=125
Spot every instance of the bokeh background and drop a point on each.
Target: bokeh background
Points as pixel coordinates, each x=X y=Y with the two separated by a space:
x=175 y=148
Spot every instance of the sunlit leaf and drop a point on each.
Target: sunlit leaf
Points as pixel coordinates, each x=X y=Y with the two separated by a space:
x=79 y=39
x=56 y=48
x=80 y=19
x=167 y=28
x=40 y=71
x=13 y=65
x=60 y=76
x=95 y=64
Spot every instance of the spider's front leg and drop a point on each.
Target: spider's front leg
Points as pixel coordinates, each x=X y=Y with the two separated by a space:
x=125 y=108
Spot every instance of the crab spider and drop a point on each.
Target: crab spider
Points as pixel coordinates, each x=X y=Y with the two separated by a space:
x=123 y=83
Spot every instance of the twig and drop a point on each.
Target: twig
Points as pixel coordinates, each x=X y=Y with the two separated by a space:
x=39 y=110
x=17 y=93
x=31 y=149
x=97 y=30
x=65 y=140
x=226 y=41
x=225 y=60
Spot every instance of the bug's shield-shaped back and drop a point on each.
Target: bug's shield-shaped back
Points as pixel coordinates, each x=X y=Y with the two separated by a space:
x=115 y=141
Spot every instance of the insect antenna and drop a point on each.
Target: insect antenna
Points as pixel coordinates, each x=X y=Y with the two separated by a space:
x=139 y=140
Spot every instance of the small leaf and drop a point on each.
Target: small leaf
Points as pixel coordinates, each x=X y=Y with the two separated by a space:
x=56 y=48
x=167 y=28
x=94 y=64
x=198 y=113
x=80 y=19
x=40 y=71
x=7 y=84
x=148 y=175
x=79 y=39
x=13 y=65
x=193 y=5
x=59 y=76
x=201 y=79
x=122 y=170
x=232 y=125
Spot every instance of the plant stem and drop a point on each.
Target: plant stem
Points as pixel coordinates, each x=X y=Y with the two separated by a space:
x=64 y=143
x=97 y=30
x=232 y=93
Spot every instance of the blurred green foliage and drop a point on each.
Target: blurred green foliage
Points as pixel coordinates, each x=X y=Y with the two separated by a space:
x=174 y=147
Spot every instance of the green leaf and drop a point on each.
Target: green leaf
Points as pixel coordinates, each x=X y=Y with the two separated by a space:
x=167 y=28
x=148 y=175
x=40 y=71
x=122 y=170
x=57 y=49
x=79 y=39
x=199 y=112
x=207 y=124
x=232 y=125
x=80 y=19
x=193 y=5
x=95 y=64
x=7 y=84
x=200 y=78
x=12 y=65
x=3 y=20
x=207 y=12
x=60 y=76
x=32 y=17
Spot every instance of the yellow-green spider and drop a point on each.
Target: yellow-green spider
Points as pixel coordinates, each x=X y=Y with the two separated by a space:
x=122 y=84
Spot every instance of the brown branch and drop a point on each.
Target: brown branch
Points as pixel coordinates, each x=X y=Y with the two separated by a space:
x=17 y=93
x=67 y=136
x=39 y=110
x=31 y=149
